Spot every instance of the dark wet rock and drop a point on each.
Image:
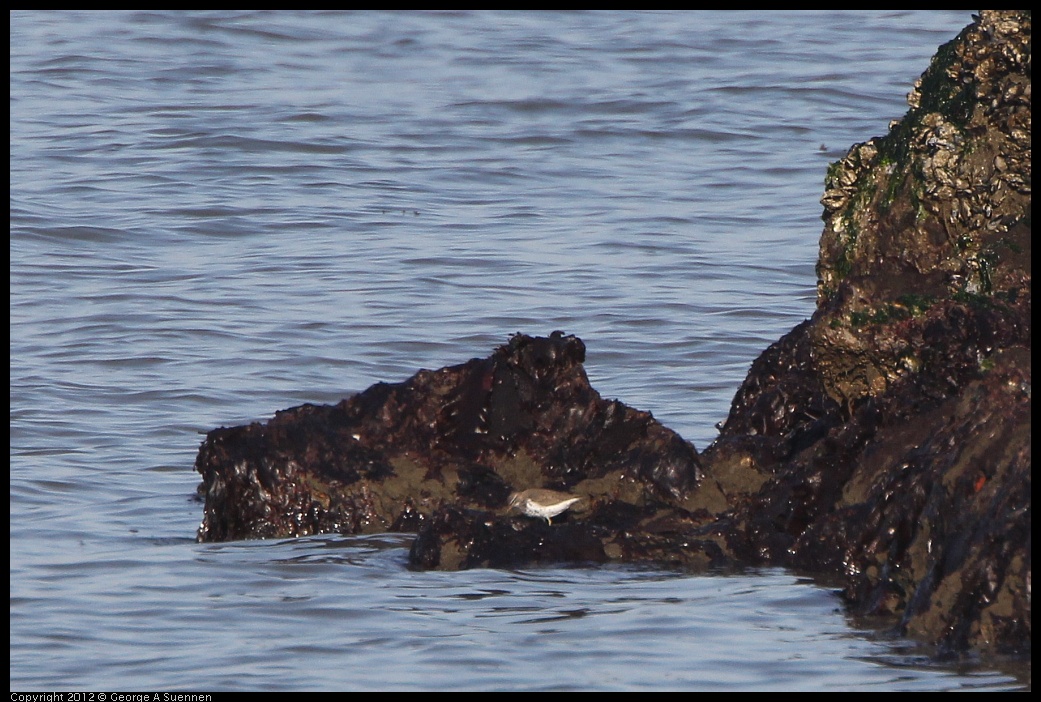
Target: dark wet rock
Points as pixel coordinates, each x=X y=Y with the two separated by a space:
x=782 y=405
x=459 y=439
x=456 y=539
x=885 y=441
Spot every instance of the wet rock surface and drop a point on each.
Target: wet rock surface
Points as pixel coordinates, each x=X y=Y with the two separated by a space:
x=885 y=441
x=449 y=443
x=891 y=432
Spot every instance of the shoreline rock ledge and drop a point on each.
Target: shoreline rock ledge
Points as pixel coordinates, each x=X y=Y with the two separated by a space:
x=883 y=444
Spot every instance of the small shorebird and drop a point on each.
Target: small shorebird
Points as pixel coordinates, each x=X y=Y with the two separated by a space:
x=542 y=503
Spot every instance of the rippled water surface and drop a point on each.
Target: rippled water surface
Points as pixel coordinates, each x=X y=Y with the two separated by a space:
x=218 y=215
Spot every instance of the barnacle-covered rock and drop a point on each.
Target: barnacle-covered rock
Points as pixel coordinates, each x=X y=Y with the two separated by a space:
x=928 y=212
x=887 y=439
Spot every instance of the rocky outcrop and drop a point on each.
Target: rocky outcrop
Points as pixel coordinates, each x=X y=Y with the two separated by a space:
x=885 y=441
x=457 y=440
x=894 y=426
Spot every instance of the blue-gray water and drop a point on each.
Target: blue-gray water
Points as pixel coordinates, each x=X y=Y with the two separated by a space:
x=218 y=215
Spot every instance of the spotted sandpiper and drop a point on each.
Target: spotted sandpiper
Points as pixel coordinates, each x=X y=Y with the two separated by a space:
x=542 y=503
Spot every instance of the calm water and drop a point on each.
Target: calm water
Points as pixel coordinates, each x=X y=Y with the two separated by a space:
x=218 y=215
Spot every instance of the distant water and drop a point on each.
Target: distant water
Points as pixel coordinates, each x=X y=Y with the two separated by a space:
x=218 y=215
